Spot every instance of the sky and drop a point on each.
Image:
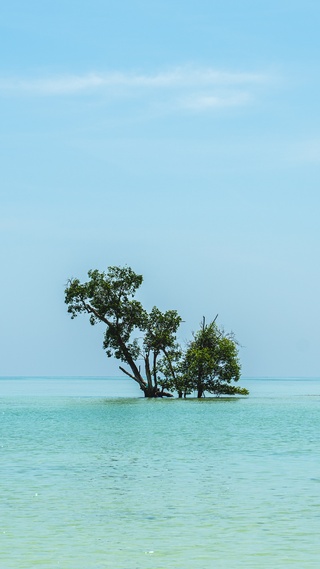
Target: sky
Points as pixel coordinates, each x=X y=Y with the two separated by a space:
x=181 y=138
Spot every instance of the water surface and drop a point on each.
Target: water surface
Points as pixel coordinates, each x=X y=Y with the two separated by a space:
x=91 y=481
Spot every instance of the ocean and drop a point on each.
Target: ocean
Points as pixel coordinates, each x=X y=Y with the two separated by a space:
x=94 y=476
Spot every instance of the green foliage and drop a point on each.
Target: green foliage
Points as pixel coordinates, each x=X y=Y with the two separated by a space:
x=161 y=330
x=209 y=363
x=171 y=376
x=108 y=298
x=160 y=341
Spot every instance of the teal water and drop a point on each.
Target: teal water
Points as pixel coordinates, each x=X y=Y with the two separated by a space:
x=93 y=481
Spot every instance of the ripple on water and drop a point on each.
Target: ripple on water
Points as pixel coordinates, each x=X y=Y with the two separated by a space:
x=129 y=483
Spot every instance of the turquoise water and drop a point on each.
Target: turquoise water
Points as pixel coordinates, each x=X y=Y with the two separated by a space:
x=90 y=481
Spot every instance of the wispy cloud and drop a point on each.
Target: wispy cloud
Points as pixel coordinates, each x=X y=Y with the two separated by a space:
x=207 y=102
x=306 y=151
x=189 y=87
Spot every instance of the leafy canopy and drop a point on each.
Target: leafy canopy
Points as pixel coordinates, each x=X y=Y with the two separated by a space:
x=108 y=297
x=208 y=364
x=211 y=361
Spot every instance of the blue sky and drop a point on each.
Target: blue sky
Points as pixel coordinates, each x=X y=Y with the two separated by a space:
x=180 y=138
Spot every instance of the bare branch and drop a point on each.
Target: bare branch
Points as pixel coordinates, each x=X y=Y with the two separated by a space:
x=140 y=381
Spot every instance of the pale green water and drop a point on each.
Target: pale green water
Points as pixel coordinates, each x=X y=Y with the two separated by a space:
x=95 y=482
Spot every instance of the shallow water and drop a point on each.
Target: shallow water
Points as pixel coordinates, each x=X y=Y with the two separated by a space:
x=90 y=482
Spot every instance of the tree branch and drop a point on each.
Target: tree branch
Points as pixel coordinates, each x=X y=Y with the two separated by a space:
x=140 y=381
x=169 y=362
x=124 y=348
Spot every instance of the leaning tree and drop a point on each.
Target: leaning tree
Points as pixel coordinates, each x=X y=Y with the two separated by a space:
x=108 y=297
x=209 y=363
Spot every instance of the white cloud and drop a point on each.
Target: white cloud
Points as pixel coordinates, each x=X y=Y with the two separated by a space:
x=62 y=85
x=306 y=151
x=175 y=78
x=178 y=87
x=207 y=102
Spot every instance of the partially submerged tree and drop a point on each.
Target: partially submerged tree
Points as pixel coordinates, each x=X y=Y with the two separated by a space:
x=172 y=377
x=159 y=345
x=209 y=364
x=109 y=298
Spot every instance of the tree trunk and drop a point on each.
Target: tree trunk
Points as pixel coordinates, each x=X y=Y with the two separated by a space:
x=199 y=383
x=154 y=393
x=150 y=387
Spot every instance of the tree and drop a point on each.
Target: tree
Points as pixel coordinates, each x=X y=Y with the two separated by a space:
x=159 y=345
x=109 y=298
x=132 y=335
x=172 y=377
x=211 y=363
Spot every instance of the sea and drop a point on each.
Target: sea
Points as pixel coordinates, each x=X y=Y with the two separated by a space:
x=94 y=476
